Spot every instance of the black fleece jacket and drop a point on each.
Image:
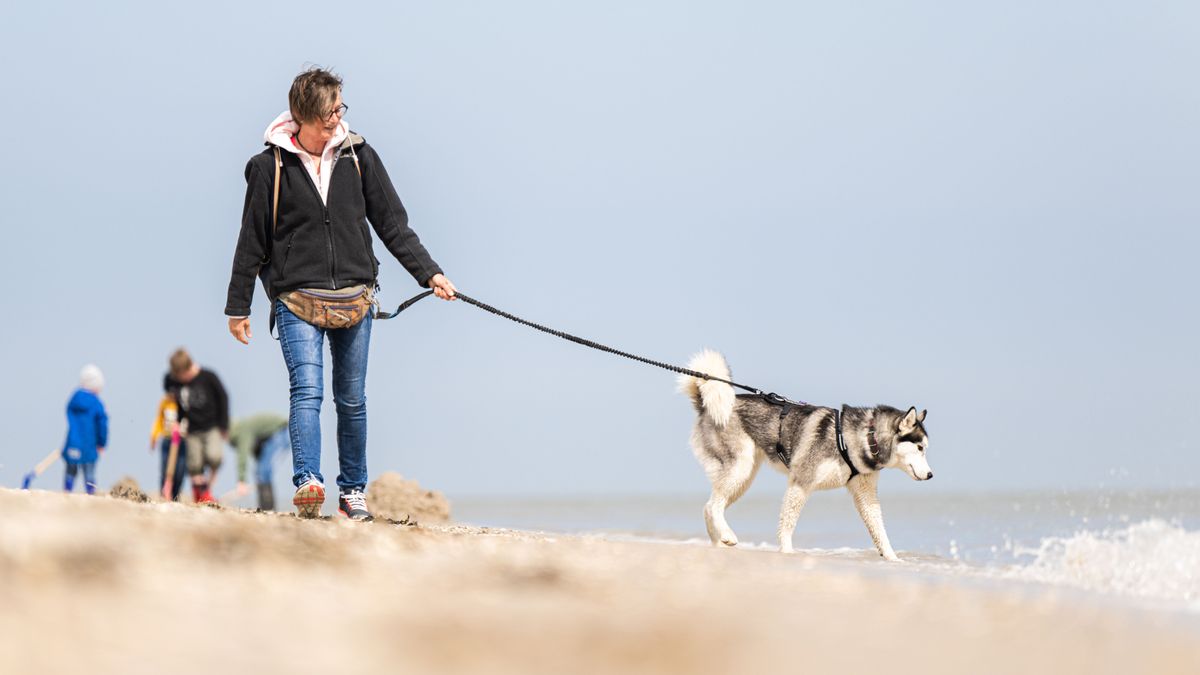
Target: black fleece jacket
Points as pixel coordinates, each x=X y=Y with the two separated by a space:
x=317 y=245
x=202 y=402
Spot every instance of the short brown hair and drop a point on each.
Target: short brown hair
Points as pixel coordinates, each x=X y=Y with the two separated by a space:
x=180 y=362
x=313 y=94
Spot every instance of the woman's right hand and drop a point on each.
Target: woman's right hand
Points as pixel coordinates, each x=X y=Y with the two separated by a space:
x=239 y=328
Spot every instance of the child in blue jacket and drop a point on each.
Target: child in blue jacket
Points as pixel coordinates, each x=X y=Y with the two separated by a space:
x=87 y=430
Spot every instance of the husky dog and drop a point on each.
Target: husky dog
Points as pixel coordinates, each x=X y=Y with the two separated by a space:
x=734 y=433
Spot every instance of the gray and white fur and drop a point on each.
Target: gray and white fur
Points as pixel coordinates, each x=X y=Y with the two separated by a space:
x=735 y=433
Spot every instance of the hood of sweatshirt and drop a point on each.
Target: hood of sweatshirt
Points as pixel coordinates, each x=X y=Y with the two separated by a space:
x=82 y=401
x=280 y=130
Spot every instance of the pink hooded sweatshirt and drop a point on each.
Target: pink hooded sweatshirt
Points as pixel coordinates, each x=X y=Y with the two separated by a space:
x=280 y=133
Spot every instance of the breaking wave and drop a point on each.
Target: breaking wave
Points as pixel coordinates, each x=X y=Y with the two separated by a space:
x=1151 y=560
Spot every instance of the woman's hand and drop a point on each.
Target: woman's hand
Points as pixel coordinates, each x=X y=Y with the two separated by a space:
x=442 y=287
x=239 y=328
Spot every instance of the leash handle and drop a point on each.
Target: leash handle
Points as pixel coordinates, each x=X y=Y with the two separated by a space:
x=384 y=316
x=770 y=397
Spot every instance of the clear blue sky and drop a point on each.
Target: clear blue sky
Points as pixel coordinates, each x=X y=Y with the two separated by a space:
x=985 y=209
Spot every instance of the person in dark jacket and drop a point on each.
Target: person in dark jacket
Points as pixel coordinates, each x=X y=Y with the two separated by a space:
x=204 y=418
x=87 y=430
x=331 y=185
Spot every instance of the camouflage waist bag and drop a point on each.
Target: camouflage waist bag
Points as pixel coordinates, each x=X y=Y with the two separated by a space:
x=343 y=308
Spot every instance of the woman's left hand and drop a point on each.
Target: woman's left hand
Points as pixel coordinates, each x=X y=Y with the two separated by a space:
x=442 y=287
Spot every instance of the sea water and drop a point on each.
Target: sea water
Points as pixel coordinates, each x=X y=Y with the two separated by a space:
x=1136 y=546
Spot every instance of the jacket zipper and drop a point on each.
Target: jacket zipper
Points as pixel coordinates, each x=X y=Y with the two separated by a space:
x=325 y=214
x=329 y=238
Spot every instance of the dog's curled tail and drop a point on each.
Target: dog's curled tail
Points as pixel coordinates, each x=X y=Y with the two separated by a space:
x=710 y=397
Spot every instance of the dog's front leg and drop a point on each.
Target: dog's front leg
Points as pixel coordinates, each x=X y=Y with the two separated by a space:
x=793 y=502
x=863 y=488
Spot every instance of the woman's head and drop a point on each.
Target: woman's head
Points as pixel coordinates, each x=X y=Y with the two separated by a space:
x=315 y=100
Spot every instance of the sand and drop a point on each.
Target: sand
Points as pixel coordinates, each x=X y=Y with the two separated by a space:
x=393 y=497
x=127 y=488
x=106 y=585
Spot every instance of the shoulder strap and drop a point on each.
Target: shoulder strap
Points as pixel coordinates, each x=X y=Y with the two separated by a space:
x=275 y=200
x=274 y=226
x=351 y=139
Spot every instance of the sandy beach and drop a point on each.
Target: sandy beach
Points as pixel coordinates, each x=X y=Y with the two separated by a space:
x=106 y=585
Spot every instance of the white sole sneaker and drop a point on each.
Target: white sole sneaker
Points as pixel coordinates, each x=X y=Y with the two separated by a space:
x=308 y=499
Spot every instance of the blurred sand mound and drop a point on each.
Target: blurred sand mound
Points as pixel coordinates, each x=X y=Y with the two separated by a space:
x=392 y=496
x=132 y=585
x=128 y=488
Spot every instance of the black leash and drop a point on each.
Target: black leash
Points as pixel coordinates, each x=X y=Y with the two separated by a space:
x=785 y=404
x=772 y=397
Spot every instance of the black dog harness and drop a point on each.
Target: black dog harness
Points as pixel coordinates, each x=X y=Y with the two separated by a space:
x=841 y=444
x=785 y=454
x=781 y=451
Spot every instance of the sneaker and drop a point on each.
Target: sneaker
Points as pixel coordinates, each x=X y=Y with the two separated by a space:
x=309 y=498
x=354 y=505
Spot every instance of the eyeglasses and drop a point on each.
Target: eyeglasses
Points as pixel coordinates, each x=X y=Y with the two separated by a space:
x=339 y=111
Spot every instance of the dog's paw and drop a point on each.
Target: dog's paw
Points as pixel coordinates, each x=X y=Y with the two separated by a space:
x=786 y=549
x=892 y=558
x=728 y=542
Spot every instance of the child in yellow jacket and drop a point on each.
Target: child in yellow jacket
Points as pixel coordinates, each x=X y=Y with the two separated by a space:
x=165 y=433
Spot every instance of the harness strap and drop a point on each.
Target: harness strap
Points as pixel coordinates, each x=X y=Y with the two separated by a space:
x=841 y=445
x=781 y=449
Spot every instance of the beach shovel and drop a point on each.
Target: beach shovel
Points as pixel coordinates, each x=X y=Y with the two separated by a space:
x=39 y=469
x=172 y=458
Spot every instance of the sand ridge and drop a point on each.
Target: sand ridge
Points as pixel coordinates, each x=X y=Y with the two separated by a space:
x=136 y=585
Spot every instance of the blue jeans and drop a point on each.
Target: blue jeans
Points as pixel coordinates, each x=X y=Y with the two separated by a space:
x=89 y=477
x=180 y=465
x=303 y=352
x=278 y=441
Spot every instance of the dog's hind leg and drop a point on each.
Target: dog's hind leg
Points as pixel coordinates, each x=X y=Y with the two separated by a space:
x=863 y=488
x=729 y=483
x=793 y=501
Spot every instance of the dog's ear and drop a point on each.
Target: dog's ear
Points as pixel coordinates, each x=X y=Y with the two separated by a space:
x=909 y=421
x=921 y=417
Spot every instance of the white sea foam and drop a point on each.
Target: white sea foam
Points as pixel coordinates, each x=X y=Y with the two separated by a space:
x=1152 y=560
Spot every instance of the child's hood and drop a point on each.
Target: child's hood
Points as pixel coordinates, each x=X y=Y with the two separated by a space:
x=83 y=401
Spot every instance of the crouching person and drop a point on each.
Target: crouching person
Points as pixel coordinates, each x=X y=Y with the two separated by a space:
x=263 y=435
x=204 y=420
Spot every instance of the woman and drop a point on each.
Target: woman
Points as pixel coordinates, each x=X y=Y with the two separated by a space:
x=330 y=184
